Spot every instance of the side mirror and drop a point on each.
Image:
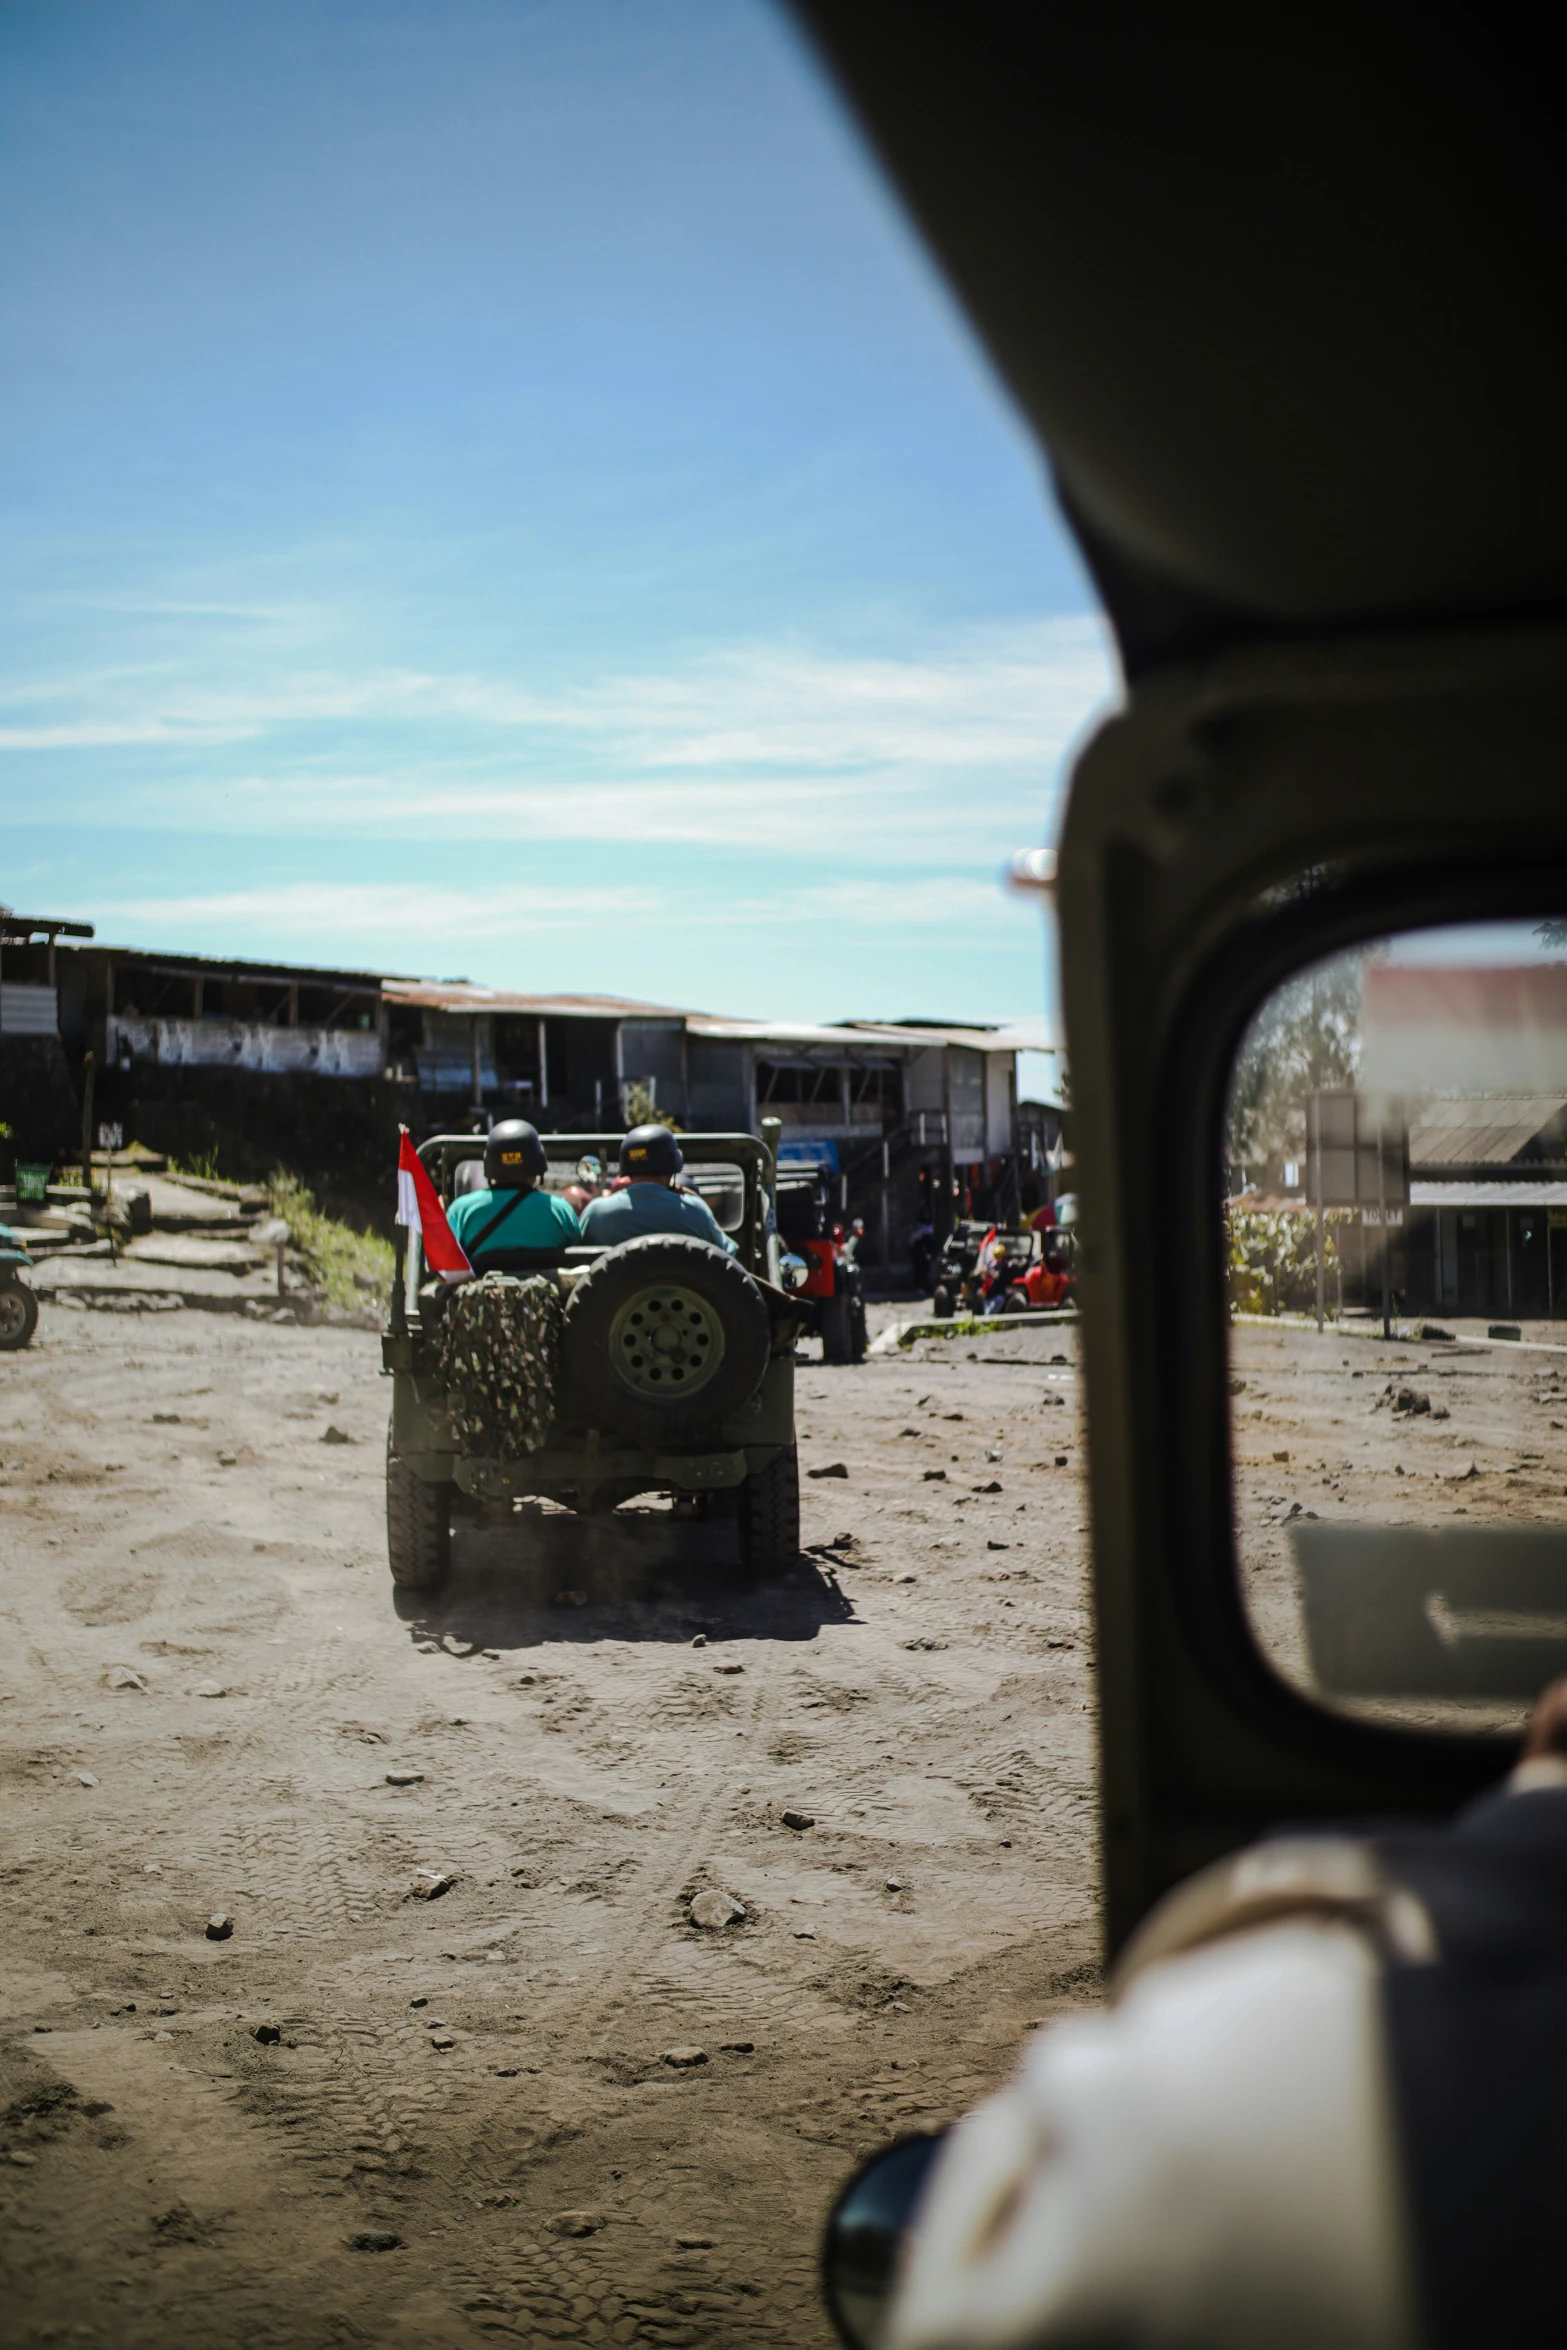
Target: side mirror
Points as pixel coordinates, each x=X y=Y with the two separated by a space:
x=865 y=2235
x=793 y=1272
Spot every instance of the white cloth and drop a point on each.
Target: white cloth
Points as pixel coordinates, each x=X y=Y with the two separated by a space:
x=1209 y=2165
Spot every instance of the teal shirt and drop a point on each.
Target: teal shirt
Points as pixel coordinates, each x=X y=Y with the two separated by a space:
x=651 y=1207
x=539 y=1219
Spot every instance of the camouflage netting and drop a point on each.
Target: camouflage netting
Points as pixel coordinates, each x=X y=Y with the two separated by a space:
x=501 y=1360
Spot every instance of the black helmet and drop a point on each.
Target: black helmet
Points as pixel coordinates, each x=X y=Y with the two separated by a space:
x=650 y=1150
x=514 y=1157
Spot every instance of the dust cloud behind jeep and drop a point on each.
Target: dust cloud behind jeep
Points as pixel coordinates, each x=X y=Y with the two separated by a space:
x=661 y=1365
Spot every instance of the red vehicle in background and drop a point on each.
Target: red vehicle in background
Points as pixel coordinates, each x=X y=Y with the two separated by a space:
x=1025 y=1272
x=833 y=1282
x=1044 y=1278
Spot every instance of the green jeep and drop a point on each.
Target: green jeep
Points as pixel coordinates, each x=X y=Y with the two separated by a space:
x=676 y=1371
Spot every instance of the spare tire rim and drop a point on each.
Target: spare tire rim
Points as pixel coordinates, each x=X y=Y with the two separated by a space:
x=666 y=1342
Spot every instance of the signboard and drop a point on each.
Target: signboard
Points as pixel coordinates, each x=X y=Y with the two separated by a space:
x=1357 y=1153
x=110 y=1138
x=1357 y=1156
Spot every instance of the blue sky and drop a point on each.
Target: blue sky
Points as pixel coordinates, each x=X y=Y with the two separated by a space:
x=496 y=489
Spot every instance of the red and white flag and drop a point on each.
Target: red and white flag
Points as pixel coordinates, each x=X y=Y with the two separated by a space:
x=419 y=1207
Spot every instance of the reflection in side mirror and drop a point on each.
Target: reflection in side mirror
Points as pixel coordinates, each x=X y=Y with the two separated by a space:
x=1395 y=1206
x=865 y=2234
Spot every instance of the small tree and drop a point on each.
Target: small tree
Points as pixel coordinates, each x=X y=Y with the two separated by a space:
x=642 y=1110
x=1307 y=1035
x=1271 y=1259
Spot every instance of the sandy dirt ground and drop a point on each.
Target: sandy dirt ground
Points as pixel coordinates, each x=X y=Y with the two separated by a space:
x=543 y=2105
x=1324 y=1429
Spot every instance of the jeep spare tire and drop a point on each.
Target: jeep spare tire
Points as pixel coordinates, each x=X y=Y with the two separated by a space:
x=666 y=1339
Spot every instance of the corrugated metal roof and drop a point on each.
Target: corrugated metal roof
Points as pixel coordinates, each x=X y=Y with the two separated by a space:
x=1482 y=1131
x=462 y=995
x=1488 y=1195
x=850 y=1036
x=237 y=967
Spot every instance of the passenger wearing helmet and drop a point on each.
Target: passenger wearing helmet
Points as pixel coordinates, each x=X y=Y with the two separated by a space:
x=512 y=1226
x=650 y=1159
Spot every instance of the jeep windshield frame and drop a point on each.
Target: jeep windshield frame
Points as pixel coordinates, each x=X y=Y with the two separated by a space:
x=444 y=1153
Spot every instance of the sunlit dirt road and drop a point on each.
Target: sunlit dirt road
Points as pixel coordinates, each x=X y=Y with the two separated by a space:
x=544 y=2103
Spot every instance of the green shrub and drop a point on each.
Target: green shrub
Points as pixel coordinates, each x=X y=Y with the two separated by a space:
x=1271 y=1260
x=347 y=1268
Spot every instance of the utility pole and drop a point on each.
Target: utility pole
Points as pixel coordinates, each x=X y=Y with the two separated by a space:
x=1314 y=1168
x=88 y=1066
x=1387 y=1311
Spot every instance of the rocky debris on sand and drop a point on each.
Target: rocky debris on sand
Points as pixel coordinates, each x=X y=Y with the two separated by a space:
x=575 y=2223
x=935 y=1476
x=228 y=1460
x=375 y=2240
x=220 y=1926
x=211 y=1689
x=695 y=2243
x=404 y=1778
x=684 y=2060
x=700 y=1641
x=1410 y=1401
x=729 y=1668
x=895 y=1884
x=268 y=2034
x=994 y=1486
x=332 y=1434
x=737 y=2047
x=923 y=1643
x=831 y=1469
x=121 y=1677
x=442 y=2040
x=430 y=1884
x=908 y=1576
x=998 y=1546
x=86 y=1779
x=799 y=1819
x=716 y=1909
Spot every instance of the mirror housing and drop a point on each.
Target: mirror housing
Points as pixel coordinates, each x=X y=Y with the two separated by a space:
x=1236 y=821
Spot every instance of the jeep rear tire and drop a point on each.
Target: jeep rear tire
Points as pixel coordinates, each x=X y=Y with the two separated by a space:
x=770 y=1516
x=418 y=1526
x=18 y=1315
x=667 y=1338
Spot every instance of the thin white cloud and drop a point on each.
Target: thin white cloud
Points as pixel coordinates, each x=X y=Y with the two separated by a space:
x=308 y=909
x=935 y=907
x=756 y=746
